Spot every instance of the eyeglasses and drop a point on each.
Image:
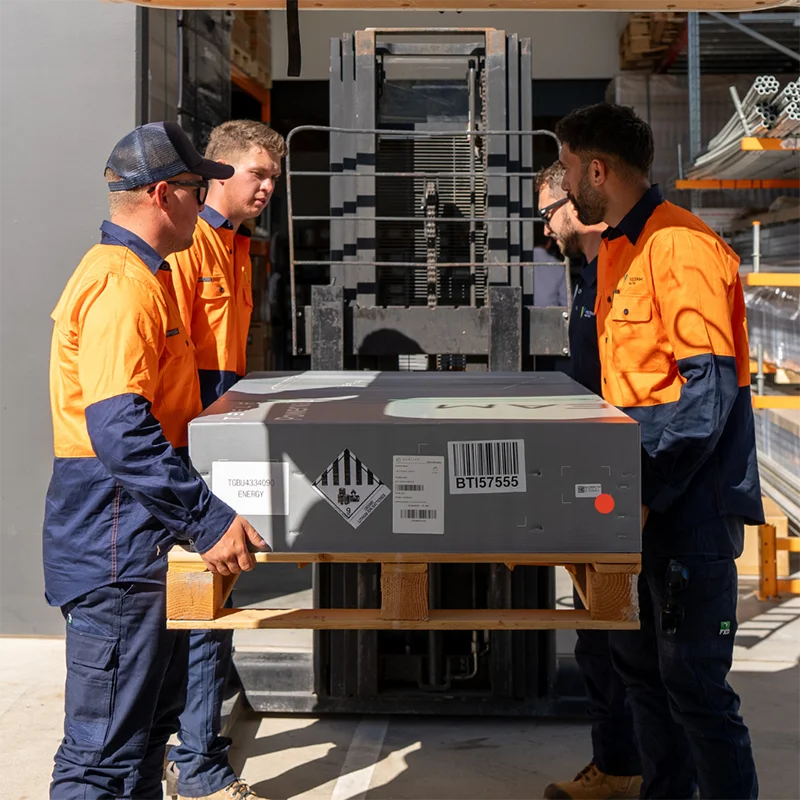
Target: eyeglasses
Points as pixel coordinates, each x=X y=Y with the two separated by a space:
x=201 y=187
x=547 y=212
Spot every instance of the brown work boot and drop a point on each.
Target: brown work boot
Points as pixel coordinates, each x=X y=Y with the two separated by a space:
x=591 y=784
x=238 y=790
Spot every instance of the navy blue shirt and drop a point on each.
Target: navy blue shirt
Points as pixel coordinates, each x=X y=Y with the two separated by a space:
x=584 y=355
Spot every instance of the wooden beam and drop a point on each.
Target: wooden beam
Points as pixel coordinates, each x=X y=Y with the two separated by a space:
x=179 y=555
x=404 y=592
x=371 y=619
x=468 y=5
x=196 y=593
x=578 y=574
x=612 y=595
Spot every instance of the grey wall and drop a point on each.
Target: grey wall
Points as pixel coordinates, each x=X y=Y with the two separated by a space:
x=569 y=44
x=67 y=95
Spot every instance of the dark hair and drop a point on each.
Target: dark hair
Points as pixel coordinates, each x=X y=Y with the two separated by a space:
x=606 y=129
x=551 y=177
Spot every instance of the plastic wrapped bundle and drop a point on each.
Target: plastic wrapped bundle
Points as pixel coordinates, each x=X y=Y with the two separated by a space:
x=773 y=321
x=778 y=442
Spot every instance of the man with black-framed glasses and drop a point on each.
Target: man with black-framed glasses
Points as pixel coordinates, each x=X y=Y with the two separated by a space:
x=123 y=385
x=614 y=770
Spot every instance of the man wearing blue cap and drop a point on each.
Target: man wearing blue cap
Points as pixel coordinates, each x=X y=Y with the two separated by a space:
x=124 y=386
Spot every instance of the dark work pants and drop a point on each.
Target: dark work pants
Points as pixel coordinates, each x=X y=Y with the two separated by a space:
x=614 y=747
x=202 y=755
x=686 y=715
x=125 y=688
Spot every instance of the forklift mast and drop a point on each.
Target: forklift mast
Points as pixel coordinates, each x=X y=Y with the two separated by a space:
x=432 y=208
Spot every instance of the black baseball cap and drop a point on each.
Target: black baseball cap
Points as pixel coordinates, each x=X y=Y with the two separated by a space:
x=158 y=151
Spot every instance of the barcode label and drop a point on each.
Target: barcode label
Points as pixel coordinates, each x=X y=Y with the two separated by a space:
x=588 y=489
x=487 y=467
x=419 y=513
x=418 y=499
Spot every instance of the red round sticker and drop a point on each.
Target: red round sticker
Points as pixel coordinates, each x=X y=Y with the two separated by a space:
x=604 y=503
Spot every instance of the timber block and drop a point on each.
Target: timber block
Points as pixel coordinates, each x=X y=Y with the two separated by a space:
x=404 y=591
x=196 y=594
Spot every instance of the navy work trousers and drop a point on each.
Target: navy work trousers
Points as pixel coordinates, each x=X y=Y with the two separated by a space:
x=202 y=755
x=125 y=688
x=614 y=748
x=686 y=715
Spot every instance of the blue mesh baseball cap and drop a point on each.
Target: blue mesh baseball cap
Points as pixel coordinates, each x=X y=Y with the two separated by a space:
x=158 y=151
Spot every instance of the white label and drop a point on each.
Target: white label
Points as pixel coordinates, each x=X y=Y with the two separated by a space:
x=351 y=488
x=588 y=490
x=488 y=467
x=418 y=499
x=252 y=488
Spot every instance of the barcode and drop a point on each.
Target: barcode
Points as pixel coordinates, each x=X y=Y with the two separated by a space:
x=418 y=513
x=409 y=487
x=478 y=459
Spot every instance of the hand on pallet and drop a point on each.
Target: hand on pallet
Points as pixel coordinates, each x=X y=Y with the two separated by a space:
x=231 y=554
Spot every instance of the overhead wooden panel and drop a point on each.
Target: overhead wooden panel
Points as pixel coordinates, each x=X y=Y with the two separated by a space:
x=472 y=5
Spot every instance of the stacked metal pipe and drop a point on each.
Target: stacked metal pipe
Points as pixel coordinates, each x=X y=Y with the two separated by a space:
x=766 y=111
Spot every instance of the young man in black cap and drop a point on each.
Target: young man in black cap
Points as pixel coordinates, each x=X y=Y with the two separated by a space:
x=124 y=387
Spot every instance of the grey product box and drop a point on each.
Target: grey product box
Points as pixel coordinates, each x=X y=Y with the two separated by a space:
x=426 y=462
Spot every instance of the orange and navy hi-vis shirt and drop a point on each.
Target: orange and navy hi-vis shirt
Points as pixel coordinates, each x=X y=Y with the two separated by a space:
x=123 y=388
x=215 y=297
x=674 y=356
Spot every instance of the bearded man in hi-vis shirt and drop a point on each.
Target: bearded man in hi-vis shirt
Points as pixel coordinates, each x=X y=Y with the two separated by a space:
x=674 y=355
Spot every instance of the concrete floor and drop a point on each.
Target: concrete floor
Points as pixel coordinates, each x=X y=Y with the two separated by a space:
x=353 y=758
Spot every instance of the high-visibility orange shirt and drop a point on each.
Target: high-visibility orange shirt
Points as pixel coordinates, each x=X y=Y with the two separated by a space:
x=123 y=387
x=674 y=355
x=213 y=285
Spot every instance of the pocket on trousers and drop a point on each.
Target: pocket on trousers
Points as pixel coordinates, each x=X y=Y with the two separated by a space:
x=91 y=678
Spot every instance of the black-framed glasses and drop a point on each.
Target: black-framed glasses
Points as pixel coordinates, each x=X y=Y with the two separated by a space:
x=201 y=186
x=547 y=212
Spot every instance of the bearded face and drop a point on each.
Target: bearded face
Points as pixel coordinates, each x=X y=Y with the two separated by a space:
x=590 y=204
x=567 y=237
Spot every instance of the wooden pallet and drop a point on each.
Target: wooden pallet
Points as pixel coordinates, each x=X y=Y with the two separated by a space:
x=647 y=37
x=606 y=584
x=242 y=60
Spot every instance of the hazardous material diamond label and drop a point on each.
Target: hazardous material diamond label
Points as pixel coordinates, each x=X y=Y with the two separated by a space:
x=351 y=488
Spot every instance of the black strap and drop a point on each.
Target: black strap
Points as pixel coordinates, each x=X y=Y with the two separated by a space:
x=293 y=35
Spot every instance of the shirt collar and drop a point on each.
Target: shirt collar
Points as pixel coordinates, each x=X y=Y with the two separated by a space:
x=117 y=235
x=634 y=221
x=215 y=219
